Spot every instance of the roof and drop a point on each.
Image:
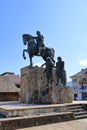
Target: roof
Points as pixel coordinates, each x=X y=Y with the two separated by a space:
x=7 y=73
x=9 y=82
x=83 y=72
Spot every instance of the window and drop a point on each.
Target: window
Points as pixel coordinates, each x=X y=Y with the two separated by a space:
x=2 y=94
x=74 y=80
x=83 y=78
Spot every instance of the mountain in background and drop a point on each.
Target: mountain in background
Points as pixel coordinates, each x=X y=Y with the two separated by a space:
x=69 y=83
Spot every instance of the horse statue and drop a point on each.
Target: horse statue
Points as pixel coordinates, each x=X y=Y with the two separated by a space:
x=34 y=50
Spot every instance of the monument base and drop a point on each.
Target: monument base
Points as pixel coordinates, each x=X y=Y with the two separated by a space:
x=34 y=89
x=56 y=95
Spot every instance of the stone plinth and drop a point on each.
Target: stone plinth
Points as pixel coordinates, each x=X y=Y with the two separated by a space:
x=57 y=94
x=32 y=82
x=34 y=89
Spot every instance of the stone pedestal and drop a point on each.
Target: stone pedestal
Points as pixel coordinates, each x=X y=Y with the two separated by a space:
x=57 y=95
x=32 y=82
x=34 y=89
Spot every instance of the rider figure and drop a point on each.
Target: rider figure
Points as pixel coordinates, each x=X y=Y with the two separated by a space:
x=39 y=40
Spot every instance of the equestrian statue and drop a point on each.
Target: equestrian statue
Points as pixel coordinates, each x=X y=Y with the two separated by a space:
x=36 y=47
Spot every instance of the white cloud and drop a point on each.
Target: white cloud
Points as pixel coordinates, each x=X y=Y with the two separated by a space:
x=83 y=62
x=82 y=55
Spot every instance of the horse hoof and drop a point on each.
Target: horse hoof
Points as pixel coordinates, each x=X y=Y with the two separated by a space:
x=24 y=58
x=30 y=65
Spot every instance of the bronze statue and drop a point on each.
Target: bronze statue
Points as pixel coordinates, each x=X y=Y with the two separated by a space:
x=49 y=70
x=36 y=47
x=60 y=72
x=39 y=39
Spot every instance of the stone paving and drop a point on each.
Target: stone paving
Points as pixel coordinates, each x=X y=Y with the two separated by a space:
x=69 y=125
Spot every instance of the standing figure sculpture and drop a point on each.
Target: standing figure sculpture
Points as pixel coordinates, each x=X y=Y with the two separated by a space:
x=60 y=72
x=36 y=47
x=49 y=70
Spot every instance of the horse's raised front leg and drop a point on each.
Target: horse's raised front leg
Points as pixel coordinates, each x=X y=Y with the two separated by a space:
x=29 y=56
x=24 y=53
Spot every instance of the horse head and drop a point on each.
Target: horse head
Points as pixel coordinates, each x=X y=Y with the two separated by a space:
x=26 y=38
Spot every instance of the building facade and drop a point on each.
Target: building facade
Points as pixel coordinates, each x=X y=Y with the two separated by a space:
x=79 y=85
x=9 y=87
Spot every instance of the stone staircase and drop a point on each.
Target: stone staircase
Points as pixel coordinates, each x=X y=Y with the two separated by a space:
x=79 y=110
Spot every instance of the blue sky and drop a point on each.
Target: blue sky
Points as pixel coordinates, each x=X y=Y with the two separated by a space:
x=62 y=22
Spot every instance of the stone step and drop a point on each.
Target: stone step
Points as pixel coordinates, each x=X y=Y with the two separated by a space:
x=76 y=110
x=80 y=117
x=74 y=107
x=80 y=113
x=17 y=111
x=27 y=121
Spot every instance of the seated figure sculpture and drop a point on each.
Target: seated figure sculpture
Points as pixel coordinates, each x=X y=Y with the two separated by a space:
x=39 y=40
x=60 y=72
x=49 y=70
